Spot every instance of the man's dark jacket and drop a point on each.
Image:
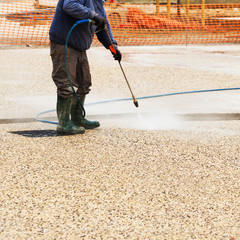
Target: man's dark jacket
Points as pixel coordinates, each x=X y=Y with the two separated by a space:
x=67 y=13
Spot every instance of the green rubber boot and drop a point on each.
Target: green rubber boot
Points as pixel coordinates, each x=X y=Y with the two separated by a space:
x=77 y=115
x=65 y=125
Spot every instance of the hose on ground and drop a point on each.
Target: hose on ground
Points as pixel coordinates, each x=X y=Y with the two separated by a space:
x=145 y=97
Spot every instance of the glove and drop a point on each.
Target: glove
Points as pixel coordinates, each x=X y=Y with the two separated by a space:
x=99 y=21
x=115 y=52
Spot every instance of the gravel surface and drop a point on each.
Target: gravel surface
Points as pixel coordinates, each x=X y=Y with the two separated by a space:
x=167 y=170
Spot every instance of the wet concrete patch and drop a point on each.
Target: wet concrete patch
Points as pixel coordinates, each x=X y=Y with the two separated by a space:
x=17 y=120
x=182 y=117
x=21 y=120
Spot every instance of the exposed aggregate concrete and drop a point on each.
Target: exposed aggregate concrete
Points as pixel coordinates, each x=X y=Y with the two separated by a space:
x=118 y=182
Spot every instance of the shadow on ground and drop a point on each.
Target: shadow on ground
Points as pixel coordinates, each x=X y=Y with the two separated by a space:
x=37 y=133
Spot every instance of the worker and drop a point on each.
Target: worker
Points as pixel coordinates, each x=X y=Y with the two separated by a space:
x=70 y=114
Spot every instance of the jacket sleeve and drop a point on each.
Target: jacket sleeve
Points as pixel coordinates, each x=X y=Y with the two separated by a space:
x=77 y=10
x=104 y=39
x=103 y=36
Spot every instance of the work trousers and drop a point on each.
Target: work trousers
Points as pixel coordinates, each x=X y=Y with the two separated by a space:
x=78 y=68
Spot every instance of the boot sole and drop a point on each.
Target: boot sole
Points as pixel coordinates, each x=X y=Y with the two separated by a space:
x=86 y=126
x=63 y=133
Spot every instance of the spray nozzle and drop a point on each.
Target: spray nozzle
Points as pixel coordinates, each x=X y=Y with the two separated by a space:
x=135 y=103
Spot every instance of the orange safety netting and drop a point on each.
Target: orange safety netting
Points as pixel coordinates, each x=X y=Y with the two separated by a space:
x=138 y=19
x=27 y=22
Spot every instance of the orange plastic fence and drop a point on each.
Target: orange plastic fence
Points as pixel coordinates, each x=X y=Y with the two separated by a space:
x=27 y=23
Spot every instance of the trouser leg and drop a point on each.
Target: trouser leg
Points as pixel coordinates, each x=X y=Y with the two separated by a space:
x=79 y=72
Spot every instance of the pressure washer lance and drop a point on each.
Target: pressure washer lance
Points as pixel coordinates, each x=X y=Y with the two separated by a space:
x=111 y=47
